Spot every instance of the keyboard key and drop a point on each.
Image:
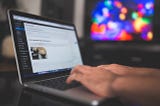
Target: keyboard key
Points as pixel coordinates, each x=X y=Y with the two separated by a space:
x=58 y=83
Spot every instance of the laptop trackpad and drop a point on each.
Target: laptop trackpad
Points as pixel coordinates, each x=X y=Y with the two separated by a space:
x=82 y=92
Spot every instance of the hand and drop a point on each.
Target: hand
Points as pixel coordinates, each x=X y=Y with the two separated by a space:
x=120 y=81
x=136 y=85
x=96 y=79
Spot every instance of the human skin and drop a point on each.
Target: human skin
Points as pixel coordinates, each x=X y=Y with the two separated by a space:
x=129 y=84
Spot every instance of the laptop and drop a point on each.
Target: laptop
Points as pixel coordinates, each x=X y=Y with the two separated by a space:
x=46 y=50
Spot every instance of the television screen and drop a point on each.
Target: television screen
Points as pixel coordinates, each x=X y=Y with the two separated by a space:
x=122 y=20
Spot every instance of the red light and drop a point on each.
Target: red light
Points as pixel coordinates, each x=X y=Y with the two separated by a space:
x=95 y=28
x=140 y=14
x=124 y=10
x=118 y=4
x=124 y=36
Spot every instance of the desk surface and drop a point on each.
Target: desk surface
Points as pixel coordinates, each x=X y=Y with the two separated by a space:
x=13 y=94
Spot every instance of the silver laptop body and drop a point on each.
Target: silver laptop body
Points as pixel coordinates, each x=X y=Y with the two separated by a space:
x=47 y=49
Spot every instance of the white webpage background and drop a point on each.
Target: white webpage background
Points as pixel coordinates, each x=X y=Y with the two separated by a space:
x=61 y=46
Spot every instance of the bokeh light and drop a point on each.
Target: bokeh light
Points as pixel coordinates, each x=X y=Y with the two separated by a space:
x=122 y=16
x=122 y=20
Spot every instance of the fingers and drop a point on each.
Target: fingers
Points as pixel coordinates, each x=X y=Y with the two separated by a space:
x=78 y=77
x=111 y=66
x=96 y=79
x=71 y=78
x=103 y=66
x=81 y=69
x=122 y=70
x=75 y=77
x=77 y=73
x=117 y=69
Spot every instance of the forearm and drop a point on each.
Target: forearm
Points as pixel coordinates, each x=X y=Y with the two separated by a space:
x=143 y=90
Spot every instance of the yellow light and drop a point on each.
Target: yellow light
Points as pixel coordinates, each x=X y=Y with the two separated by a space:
x=150 y=35
x=138 y=24
x=122 y=16
x=124 y=10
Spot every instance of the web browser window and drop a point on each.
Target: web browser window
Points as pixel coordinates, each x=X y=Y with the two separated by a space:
x=55 y=47
x=45 y=47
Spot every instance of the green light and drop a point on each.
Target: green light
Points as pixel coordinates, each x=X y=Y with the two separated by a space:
x=146 y=20
x=134 y=15
x=108 y=4
x=94 y=20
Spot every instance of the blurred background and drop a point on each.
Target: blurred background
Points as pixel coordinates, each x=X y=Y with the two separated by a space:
x=110 y=31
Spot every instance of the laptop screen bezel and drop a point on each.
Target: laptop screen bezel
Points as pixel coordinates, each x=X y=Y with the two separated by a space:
x=23 y=79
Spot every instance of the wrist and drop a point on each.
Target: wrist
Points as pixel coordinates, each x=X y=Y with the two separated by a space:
x=117 y=86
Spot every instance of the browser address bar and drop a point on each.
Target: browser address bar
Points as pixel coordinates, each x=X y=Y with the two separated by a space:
x=41 y=22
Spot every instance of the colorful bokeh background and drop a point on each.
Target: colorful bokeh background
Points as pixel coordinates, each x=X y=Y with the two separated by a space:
x=122 y=20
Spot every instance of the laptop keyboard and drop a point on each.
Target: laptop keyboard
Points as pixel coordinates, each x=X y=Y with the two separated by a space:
x=58 y=83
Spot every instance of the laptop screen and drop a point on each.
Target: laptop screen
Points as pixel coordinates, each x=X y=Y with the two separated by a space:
x=44 y=47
